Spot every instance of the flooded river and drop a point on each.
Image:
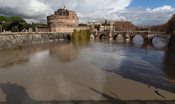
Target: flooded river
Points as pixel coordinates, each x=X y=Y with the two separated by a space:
x=94 y=72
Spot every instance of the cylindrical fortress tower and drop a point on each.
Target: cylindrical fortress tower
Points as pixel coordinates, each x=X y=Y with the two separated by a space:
x=61 y=19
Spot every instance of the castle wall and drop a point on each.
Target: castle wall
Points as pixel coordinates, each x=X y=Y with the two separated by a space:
x=71 y=28
x=62 y=18
x=43 y=29
x=68 y=28
x=61 y=29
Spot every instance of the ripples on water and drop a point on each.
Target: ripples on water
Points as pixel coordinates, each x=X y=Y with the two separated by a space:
x=67 y=66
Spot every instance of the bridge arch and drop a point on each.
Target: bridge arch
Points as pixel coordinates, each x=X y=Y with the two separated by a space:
x=134 y=35
x=161 y=41
x=116 y=36
x=103 y=36
x=68 y=37
x=160 y=35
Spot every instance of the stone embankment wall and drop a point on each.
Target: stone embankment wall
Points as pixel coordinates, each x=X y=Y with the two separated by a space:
x=8 y=40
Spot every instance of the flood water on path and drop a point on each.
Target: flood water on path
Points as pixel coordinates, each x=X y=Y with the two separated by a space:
x=98 y=72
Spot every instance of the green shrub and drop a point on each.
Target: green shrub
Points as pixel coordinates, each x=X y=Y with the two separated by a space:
x=81 y=34
x=82 y=24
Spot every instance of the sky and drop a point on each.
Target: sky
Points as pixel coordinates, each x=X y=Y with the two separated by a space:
x=139 y=12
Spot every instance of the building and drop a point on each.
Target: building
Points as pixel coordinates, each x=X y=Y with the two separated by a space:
x=111 y=26
x=41 y=28
x=101 y=26
x=144 y=28
x=123 y=26
x=62 y=20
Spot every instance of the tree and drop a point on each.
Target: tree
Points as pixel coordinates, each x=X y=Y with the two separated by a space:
x=75 y=34
x=33 y=26
x=18 y=22
x=82 y=24
x=17 y=19
x=5 y=21
x=12 y=23
x=169 y=27
x=15 y=29
x=81 y=34
x=171 y=24
x=6 y=26
x=97 y=27
x=3 y=18
x=106 y=24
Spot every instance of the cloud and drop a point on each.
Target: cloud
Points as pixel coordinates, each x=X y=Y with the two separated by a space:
x=142 y=16
x=163 y=9
x=32 y=20
x=39 y=9
x=138 y=16
x=87 y=10
x=25 y=8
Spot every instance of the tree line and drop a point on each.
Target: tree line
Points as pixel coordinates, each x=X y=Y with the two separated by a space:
x=168 y=27
x=16 y=24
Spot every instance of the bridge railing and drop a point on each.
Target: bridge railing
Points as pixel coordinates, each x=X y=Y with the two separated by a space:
x=155 y=32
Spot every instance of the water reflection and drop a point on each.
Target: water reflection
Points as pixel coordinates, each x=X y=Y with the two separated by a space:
x=11 y=57
x=87 y=72
x=66 y=52
x=138 y=64
x=147 y=45
x=160 y=42
x=169 y=65
x=119 y=38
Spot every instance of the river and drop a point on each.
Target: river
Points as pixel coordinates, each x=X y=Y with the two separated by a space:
x=98 y=72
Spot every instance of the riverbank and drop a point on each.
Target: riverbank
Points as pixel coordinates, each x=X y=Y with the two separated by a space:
x=17 y=39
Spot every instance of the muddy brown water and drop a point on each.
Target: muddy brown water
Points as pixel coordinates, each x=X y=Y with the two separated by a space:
x=98 y=72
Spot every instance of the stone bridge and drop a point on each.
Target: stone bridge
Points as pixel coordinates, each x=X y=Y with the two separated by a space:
x=146 y=35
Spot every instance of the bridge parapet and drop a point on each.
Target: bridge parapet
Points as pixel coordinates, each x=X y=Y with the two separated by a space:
x=128 y=35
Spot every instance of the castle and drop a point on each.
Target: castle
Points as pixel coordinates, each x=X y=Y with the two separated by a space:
x=62 y=20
